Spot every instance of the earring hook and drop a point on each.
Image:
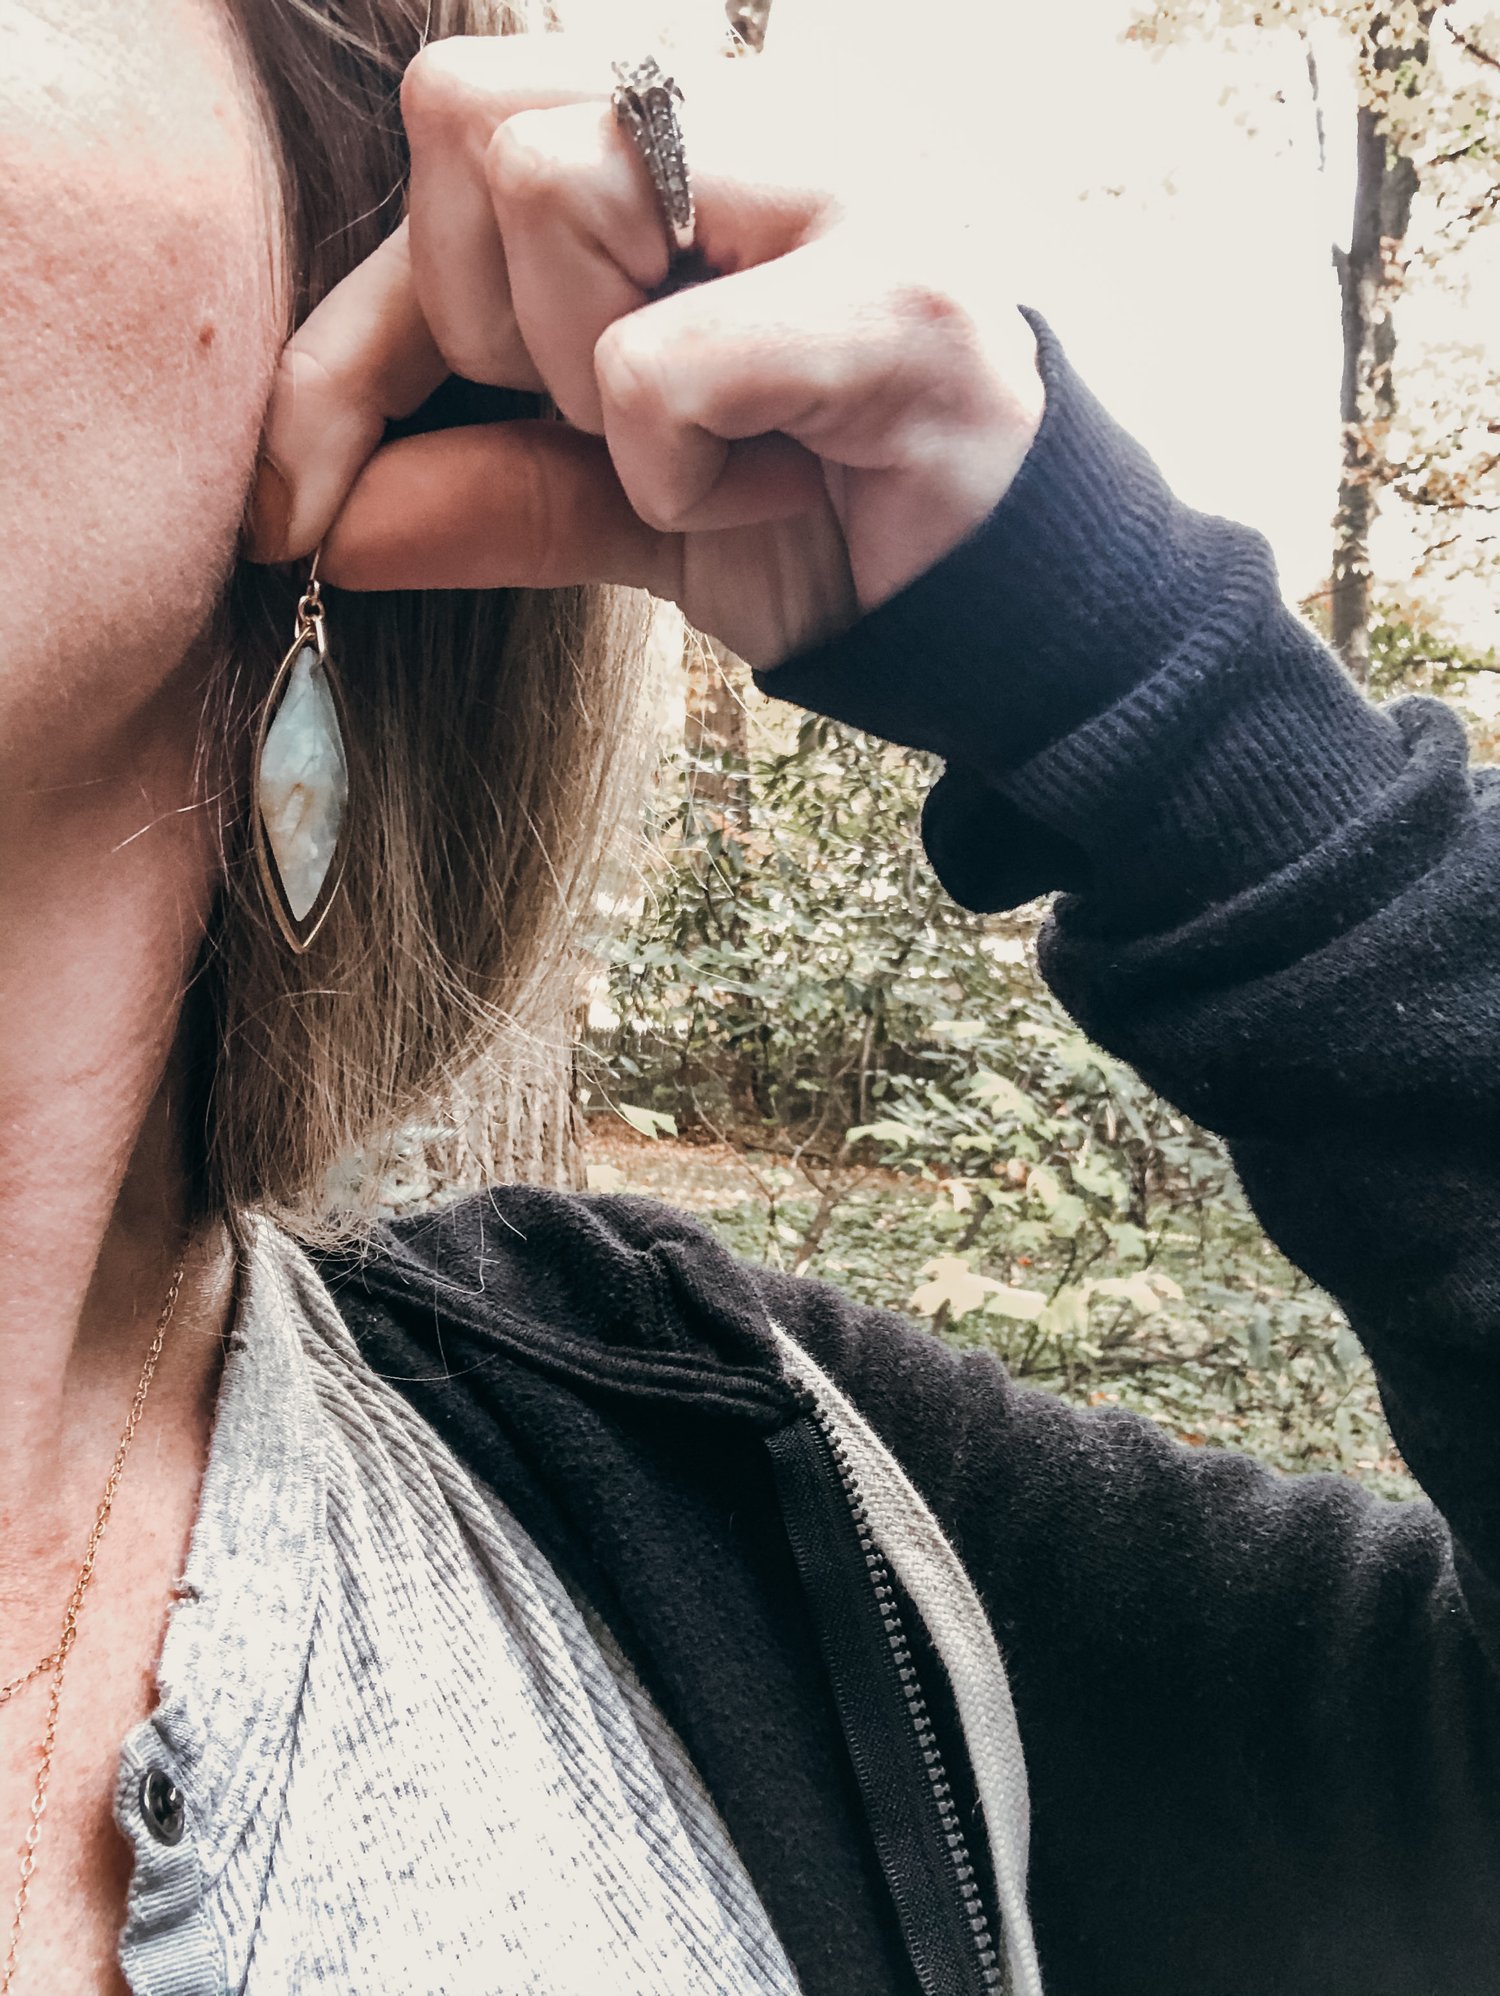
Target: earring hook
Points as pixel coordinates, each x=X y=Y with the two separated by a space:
x=310 y=603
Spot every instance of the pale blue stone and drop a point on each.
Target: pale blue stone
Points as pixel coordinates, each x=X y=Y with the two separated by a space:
x=304 y=782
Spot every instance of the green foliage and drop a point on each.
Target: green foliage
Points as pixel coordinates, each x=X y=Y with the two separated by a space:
x=1406 y=657
x=783 y=965
x=929 y=1130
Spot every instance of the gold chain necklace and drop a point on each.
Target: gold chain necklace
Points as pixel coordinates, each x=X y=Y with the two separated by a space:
x=55 y=1661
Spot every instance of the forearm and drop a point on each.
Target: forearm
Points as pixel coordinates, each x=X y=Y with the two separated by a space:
x=1280 y=902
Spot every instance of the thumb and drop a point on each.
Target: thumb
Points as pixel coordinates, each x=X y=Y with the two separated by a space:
x=519 y=505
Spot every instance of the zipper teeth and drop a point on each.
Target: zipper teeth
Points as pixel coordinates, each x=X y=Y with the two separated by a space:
x=878 y=1568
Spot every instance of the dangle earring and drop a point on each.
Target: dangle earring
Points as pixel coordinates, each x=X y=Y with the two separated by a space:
x=300 y=788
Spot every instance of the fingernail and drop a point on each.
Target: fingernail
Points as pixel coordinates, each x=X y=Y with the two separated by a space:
x=270 y=513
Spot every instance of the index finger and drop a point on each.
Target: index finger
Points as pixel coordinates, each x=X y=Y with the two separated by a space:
x=455 y=95
x=370 y=352
x=361 y=359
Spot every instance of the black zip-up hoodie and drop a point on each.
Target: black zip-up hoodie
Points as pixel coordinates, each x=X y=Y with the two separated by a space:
x=1260 y=1715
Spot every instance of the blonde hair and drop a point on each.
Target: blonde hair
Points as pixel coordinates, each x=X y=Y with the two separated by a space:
x=491 y=737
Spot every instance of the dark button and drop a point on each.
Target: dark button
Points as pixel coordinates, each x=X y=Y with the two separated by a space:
x=162 y=1806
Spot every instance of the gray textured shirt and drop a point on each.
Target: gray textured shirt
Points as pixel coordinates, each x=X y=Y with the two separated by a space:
x=406 y=1761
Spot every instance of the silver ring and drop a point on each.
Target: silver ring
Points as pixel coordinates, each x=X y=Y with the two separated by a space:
x=645 y=104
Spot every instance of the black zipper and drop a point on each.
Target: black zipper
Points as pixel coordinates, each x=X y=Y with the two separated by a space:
x=883 y=1710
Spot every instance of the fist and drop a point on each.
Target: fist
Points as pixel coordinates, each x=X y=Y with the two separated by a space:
x=777 y=449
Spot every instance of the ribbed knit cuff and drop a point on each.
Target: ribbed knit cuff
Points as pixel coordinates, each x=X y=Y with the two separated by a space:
x=1033 y=622
x=1246 y=749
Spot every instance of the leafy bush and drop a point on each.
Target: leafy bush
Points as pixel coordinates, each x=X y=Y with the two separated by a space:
x=928 y=1128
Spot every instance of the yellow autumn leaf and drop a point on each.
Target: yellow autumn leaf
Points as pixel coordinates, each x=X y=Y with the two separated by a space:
x=953 y=1283
x=1133 y=1289
x=1025 y=1304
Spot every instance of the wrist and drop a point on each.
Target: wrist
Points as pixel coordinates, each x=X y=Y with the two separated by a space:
x=1061 y=597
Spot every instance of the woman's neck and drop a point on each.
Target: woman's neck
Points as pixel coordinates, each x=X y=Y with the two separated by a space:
x=106 y=876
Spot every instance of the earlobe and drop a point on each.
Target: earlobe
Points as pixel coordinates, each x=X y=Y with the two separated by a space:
x=270 y=512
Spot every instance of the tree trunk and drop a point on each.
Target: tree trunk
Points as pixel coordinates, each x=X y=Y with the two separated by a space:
x=526 y=1126
x=1385 y=186
x=715 y=733
x=714 y=729
x=536 y=1126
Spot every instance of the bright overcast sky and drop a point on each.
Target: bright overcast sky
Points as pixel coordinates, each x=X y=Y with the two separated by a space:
x=1199 y=301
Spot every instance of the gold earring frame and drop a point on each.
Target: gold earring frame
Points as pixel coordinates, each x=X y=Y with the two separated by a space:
x=311 y=629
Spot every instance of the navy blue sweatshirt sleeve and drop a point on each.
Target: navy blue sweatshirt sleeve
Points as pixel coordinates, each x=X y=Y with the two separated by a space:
x=1281 y=904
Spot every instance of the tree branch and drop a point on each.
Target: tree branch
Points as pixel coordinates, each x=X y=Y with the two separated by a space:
x=1310 y=54
x=1473 y=48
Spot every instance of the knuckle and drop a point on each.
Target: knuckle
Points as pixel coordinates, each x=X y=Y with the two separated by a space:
x=657 y=513
x=663 y=510
x=629 y=372
x=659 y=518
x=940 y=363
x=672 y=520
x=577 y=409
x=520 y=168
x=437 y=91
x=634 y=381
x=931 y=309
x=473 y=357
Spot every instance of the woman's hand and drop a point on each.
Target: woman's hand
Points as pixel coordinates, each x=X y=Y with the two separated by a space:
x=777 y=450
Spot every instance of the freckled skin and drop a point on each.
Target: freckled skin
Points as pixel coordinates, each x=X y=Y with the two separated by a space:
x=138 y=329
